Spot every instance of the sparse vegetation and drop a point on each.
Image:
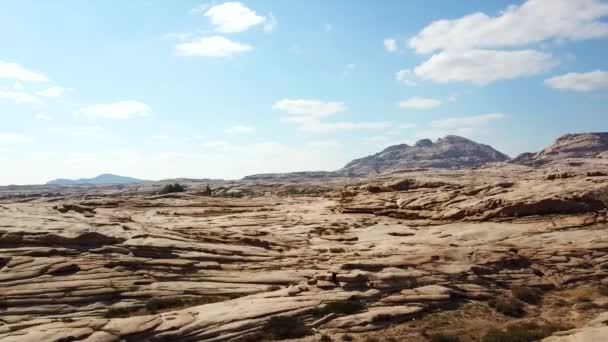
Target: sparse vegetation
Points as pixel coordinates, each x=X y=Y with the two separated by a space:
x=603 y=290
x=530 y=295
x=346 y=307
x=155 y=305
x=325 y=338
x=444 y=338
x=347 y=338
x=171 y=188
x=283 y=327
x=522 y=332
x=508 y=306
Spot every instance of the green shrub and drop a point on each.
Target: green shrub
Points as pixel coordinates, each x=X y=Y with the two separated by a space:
x=530 y=295
x=171 y=188
x=347 y=338
x=508 y=306
x=283 y=327
x=325 y=338
x=444 y=338
x=522 y=332
x=346 y=307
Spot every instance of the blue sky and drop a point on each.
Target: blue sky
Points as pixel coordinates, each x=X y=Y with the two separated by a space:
x=159 y=89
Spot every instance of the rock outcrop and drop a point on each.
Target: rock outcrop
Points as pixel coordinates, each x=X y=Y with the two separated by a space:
x=391 y=256
x=569 y=146
x=446 y=153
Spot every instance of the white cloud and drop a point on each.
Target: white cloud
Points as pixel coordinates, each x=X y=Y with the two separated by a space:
x=241 y=129
x=483 y=66
x=403 y=76
x=419 y=103
x=317 y=126
x=312 y=108
x=17 y=86
x=462 y=125
x=308 y=115
x=83 y=131
x=14 y=138
x=323 y=144
x=270 y=24
x=51 y=92
x=390 y=45
x=15 y=71
x=532 y=22
x=231 y=17
x=18 y=97
x=44 y=117
x=586 y=81
x=214 y=46
x=117 y=110
x=200 y=9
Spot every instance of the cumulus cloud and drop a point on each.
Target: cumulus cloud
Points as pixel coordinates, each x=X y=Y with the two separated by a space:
x=483 y=66
x=14 y=138
x=241 y=129
x=117 y=110
x=404 y=76
x=309 y=115
x=18 y=97
x=532 y=22
x=585 y=81
x=312 y=108
x=52 y=92
x=419 y=103
x=231 y=17
x=390 y=45
x=14 y=71
x=214 y=46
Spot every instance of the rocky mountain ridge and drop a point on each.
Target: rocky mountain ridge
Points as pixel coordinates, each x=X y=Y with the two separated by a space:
x=569 y=146
x=449 y=152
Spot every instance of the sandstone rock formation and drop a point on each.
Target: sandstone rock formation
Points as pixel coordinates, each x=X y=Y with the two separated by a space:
x=449 y=152
x=401 y=255
x=569 y=146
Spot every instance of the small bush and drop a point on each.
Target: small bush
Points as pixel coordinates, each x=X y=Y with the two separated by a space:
x=325 y=338
x=347 y=338
x=171 y=188
x=583 y=299
x=522 y=332
x=444 y=338
x=603 y=290
x=124 y=311
x=159 y=304
x=283 y=327
x=508 y=306
x=346 y=307
x=530 y=295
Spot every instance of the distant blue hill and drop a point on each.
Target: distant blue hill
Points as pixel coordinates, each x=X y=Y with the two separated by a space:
x=105 y=178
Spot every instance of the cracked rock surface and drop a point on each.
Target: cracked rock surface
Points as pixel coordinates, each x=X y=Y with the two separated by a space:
x=408 y=247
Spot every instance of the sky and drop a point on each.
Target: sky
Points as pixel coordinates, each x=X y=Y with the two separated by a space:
x=159 y=89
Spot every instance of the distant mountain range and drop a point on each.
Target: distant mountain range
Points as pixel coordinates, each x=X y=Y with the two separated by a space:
x=449 y=152
x=105 y=178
